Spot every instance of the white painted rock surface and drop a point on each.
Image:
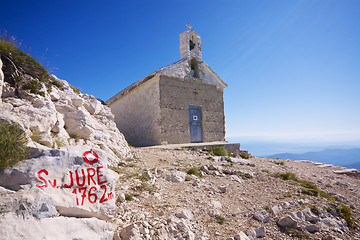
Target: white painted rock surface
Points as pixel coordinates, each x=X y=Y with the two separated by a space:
x=59 y=190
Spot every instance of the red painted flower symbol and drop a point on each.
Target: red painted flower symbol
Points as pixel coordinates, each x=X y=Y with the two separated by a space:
x=90 y=157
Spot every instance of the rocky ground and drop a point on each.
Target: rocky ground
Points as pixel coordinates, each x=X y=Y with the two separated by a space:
x=233 y=200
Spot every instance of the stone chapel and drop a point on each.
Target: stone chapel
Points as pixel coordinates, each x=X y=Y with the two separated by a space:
x=179 y=103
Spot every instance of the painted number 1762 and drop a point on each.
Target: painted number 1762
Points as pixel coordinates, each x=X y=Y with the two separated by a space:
x=90 y=194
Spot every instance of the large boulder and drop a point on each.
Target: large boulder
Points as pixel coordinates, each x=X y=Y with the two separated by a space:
x=72 y=182
x=288 y=222
x=60 y=228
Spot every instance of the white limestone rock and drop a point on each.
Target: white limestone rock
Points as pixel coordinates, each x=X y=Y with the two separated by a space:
x=288 y=221
x=55 y=194
x=60 y=165
x=298 y=216
x=130 y=232
x=7 y=90
x=240 y=161
x=236 y=179
x=60 y=228
x=57 y=184
x=46 y=140
x=176 y=177
x=54 y=94
x=1 y=79
x=77 y=101
x=76 y=124
x=285 y=205
x=93 y=106
x=310 y=216
x=257 y=233
x=332 y=223
x=62 y=113
x=241 y=236
x=216 y=204
x=275 y=210
x=186 y=214
x=262 y=216
x=350 y=172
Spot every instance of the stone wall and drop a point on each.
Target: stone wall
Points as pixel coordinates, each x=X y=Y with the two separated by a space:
x=176 y=94
x=137 y=114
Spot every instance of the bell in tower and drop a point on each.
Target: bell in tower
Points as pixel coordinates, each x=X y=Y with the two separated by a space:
x=190 y=44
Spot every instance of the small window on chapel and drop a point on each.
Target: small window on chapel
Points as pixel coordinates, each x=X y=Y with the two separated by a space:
x=192 y=45
x=194 y=69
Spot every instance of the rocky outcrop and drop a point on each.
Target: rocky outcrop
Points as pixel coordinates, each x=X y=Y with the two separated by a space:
x=57 y=188
x=1 y=78
x=233 y=160
x=306 y=220
x=64 y=117
x=350 y=172
x=173 y=228
x=65 y=189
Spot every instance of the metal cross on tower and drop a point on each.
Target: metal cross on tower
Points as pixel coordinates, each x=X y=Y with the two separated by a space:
x=189 y=26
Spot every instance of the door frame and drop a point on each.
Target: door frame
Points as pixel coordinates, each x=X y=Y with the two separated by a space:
x=199 y=108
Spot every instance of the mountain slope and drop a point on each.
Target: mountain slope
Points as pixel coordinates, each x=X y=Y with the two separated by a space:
x=226 y=197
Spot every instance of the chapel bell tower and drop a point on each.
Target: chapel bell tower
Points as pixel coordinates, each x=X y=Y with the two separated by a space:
x=190 y=44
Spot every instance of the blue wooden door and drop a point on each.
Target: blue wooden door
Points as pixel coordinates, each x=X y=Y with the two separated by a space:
x=195 y=123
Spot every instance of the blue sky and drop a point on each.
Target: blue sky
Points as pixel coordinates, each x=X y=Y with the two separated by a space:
x=293 y=67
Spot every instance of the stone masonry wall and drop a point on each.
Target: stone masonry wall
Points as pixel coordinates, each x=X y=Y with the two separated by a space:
x=137 y=114
x=176 y=94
